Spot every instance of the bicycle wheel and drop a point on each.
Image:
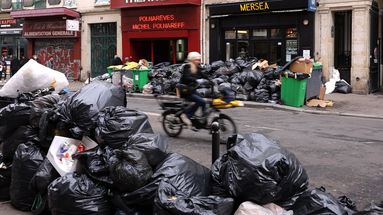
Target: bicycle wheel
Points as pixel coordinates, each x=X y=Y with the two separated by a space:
x=227 y=127
x=171 y=123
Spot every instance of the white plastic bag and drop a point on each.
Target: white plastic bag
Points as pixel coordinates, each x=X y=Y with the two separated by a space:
x=249 y=208
x=33 y=76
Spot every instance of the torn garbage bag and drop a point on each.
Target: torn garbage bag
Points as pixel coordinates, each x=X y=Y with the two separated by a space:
x=115 y=125
x=45 y=174
x=174 y=167
x=81 y=109
x=130 y=170
x=259 y=170
x=318 y=202
x=76 y=194
x=175 y=200
x=27 y=160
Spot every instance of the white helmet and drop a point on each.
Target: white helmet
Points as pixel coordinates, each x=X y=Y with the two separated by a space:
x=194 y=56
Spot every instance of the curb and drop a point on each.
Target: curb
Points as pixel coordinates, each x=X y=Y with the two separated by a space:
x=266 y=105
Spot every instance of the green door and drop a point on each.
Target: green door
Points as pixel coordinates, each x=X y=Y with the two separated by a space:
x=103 y=47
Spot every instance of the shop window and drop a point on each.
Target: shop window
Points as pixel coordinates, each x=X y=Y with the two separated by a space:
x=28 y=3
x=54 y=2
x=102 y=2
x=260 y=33
x=276 y=33
x=6 y=4
x=243 y=34
x=230 y=35
x=69 y=3
x=292 y=33
x=40 y=3
x=243 y=48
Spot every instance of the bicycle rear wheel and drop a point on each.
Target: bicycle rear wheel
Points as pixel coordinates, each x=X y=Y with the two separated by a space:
x=227 y=127
x=171 y=123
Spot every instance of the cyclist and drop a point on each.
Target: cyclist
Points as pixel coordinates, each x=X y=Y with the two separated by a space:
x=191 y=73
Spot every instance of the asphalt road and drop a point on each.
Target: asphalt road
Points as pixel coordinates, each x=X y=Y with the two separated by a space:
x=343 y=154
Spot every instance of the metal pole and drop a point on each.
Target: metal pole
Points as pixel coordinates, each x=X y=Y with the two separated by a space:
x=215 y=141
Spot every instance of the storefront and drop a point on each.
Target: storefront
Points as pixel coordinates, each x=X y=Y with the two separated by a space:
x=45 y=30
x=273 y=30
x=159 y=31
x=11 y=39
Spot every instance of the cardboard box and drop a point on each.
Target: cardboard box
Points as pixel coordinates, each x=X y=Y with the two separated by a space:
x=301 y=65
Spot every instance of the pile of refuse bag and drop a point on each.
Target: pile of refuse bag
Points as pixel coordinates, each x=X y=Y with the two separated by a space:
x=131 y=171
x=248 y=78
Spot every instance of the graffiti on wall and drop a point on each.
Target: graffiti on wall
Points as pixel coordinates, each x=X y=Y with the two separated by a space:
x=62 y=53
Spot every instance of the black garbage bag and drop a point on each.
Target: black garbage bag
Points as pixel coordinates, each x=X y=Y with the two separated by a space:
x=259 y=170
x=12 y=117
x=217 y=64
x=224 y=77
x=238 y=89
x=248 y=87
x=5 y=179
x=47 y=125
x=203 y=83
x=299 y=76
x=318 y=202
x=343 y=87
x=96 y=164
x=222 y=71
x=218 y=81
x=228 y=94
x=235 y=79
x=262 y=96
x=251 y=77
x=373 y=209
x=174 y=166
x=154 y=146
x=27 y=160
x=81 y=109
x=233 y=68
x=21 y=135
x=76 y=194
x=115 y=125
x=204 y=92
x=242 y=97
x=49 y=101
x=45 y=174
x=270 y=74
x=161 y=65
x=246 y=62
x=130 y=170
x=172 y=200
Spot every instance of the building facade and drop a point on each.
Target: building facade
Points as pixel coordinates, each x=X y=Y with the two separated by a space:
x=159 y=31
x=349 y=38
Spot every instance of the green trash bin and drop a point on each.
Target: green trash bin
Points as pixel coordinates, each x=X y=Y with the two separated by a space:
x=293 y=91
x=140 y=78
x=110 y=71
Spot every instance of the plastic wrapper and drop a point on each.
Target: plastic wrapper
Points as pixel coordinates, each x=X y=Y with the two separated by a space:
x=21 y=135
x=173 y=200
x=81 y=109
x=33 y=76
x=130 y=170
x=76 y=194
x=115 y=125
x=174 y=166
x=249 y=208
x=259 y=170
x=318 y=202
x=27 y=160
x=45 y=174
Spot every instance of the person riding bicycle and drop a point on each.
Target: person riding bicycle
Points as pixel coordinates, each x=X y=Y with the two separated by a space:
x=191 y=73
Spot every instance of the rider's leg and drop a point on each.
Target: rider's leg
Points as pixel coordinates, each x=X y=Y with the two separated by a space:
x=198 y=102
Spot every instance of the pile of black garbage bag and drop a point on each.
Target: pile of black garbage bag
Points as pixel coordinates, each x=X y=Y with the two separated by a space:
x=260 y=84
x=132 y=172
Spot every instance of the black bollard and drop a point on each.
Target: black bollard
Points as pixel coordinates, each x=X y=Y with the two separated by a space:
x=215 y=141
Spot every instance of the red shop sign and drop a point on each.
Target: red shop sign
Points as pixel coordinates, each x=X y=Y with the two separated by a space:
x=146 y=3
x=180 y=18
x=47 y=29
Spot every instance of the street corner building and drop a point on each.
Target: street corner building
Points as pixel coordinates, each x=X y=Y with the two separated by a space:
x=47 y=37
x=159 y=31
x=342 y=34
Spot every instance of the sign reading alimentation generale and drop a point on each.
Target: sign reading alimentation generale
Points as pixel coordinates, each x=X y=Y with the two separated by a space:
x=261 y=6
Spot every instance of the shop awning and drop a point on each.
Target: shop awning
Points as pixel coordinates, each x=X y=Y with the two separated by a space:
x=61 y=11
x=116 y=4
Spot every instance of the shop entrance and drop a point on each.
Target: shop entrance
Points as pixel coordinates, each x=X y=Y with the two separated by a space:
x=160 y=50
x=343 y=40
x=374 y=49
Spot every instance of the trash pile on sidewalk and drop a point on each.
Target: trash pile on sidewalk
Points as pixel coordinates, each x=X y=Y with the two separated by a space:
x=249 y=78
x=86 y=153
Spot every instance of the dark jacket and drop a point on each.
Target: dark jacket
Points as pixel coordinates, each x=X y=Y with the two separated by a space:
x=189 y=80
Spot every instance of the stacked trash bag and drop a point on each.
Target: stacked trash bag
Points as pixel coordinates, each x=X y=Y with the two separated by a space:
x=131 y=170
x=242 y=76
